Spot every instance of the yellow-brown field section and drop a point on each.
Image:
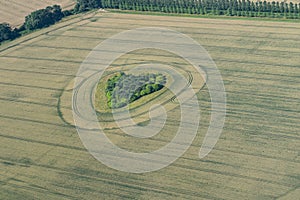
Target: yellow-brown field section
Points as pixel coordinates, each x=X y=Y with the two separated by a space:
x=256 y=157
x=14 y=11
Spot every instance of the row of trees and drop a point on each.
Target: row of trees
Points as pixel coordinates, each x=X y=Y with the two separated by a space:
x=7 y=33
x=215 y=7
x=85 y=5
x=51 y=14
x=123 y=89
x=45 y=17
x=38 y=19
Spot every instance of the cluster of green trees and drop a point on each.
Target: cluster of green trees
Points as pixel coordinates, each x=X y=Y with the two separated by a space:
x=7 y=33
x=45 y=17
x=85 y=5
x=216 y=7
x=51 y=14
x=38 y=19
x=123 y=89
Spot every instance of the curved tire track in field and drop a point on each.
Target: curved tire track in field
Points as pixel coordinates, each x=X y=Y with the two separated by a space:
x=172 y=99
x=189 y=83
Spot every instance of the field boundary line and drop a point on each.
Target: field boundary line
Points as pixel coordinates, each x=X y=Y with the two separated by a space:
x=36 y=34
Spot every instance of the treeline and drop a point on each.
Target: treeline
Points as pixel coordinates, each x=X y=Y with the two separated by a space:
x=38 y=19
x=45 y=17
x=86 y=5
x=51 y=14
x=123 y=89
x=245 y=8
x=7 y=33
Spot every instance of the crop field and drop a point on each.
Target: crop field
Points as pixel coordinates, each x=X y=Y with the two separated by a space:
x=14 y=11
x=294 y=1
x=256 y=157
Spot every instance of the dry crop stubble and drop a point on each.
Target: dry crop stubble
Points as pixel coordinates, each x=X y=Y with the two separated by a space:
x=257 y=155
x=14 y=11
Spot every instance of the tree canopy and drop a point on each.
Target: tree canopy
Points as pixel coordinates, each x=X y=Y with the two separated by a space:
x=246 y=8
x=7 y=33
x=43 y=17
x=85 y=5
x=123 y=89
x=51 y=14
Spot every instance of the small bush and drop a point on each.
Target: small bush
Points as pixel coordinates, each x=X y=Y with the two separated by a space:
x=123 y=89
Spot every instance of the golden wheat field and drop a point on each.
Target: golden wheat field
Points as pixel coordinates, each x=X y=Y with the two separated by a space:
x=256 y=157
x=14 y=12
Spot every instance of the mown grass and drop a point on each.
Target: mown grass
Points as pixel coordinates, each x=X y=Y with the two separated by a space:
x=257 y=156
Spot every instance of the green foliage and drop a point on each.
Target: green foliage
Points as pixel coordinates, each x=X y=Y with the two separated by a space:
x=43 y=17
x=245 y=8
x=7 y=33
x=123 y=89
x=85 y=5
x=67 y=12
x=51 y=14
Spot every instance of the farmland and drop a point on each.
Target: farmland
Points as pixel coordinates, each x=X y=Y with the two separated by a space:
x=14 y=12
x=256 y=157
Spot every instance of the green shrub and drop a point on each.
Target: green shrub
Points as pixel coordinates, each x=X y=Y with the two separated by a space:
x=123 y=89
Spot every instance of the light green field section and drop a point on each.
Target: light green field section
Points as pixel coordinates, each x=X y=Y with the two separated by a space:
x=256 y=157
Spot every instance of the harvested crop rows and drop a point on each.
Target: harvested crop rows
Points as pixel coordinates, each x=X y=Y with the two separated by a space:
x=14 y=12
x=257 y=156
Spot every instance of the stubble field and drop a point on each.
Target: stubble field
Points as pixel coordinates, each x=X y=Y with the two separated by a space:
x=256 y=157
x=14 y=12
